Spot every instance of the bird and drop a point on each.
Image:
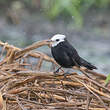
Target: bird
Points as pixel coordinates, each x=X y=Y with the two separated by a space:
x=66 y=55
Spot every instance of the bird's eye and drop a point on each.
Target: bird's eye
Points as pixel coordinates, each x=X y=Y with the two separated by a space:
x=57 y=39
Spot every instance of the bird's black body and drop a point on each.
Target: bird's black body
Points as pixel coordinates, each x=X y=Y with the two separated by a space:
x=66 y=56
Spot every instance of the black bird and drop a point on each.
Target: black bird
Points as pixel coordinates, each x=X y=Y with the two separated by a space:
x=65 y=54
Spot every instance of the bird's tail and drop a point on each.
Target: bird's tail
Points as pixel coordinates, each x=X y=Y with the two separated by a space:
x=87 y=64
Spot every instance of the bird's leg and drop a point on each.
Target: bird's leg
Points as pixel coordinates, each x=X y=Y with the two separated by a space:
x=57 y=70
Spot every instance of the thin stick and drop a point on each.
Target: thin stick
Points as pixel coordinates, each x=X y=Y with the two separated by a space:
x=88 y=100
x=20 y=105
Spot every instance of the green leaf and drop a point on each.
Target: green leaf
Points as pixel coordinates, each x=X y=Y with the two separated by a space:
x=107 y=79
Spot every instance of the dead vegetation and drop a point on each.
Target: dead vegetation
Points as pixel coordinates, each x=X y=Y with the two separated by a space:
x=24 y=87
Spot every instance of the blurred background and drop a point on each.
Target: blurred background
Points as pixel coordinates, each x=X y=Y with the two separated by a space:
x=86 y=23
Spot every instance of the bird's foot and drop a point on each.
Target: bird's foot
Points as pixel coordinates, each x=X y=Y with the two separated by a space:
x=57 y=71
x=66 y=74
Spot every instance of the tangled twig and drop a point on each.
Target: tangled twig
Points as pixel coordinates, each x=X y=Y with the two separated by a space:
x=24 y=86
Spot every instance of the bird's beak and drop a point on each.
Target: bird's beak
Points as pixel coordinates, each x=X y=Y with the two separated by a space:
x=49 y=40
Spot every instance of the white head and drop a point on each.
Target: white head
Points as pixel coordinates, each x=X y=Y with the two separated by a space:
x=56 y=39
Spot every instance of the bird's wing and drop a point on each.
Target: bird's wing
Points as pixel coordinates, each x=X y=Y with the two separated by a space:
x=72 y=53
